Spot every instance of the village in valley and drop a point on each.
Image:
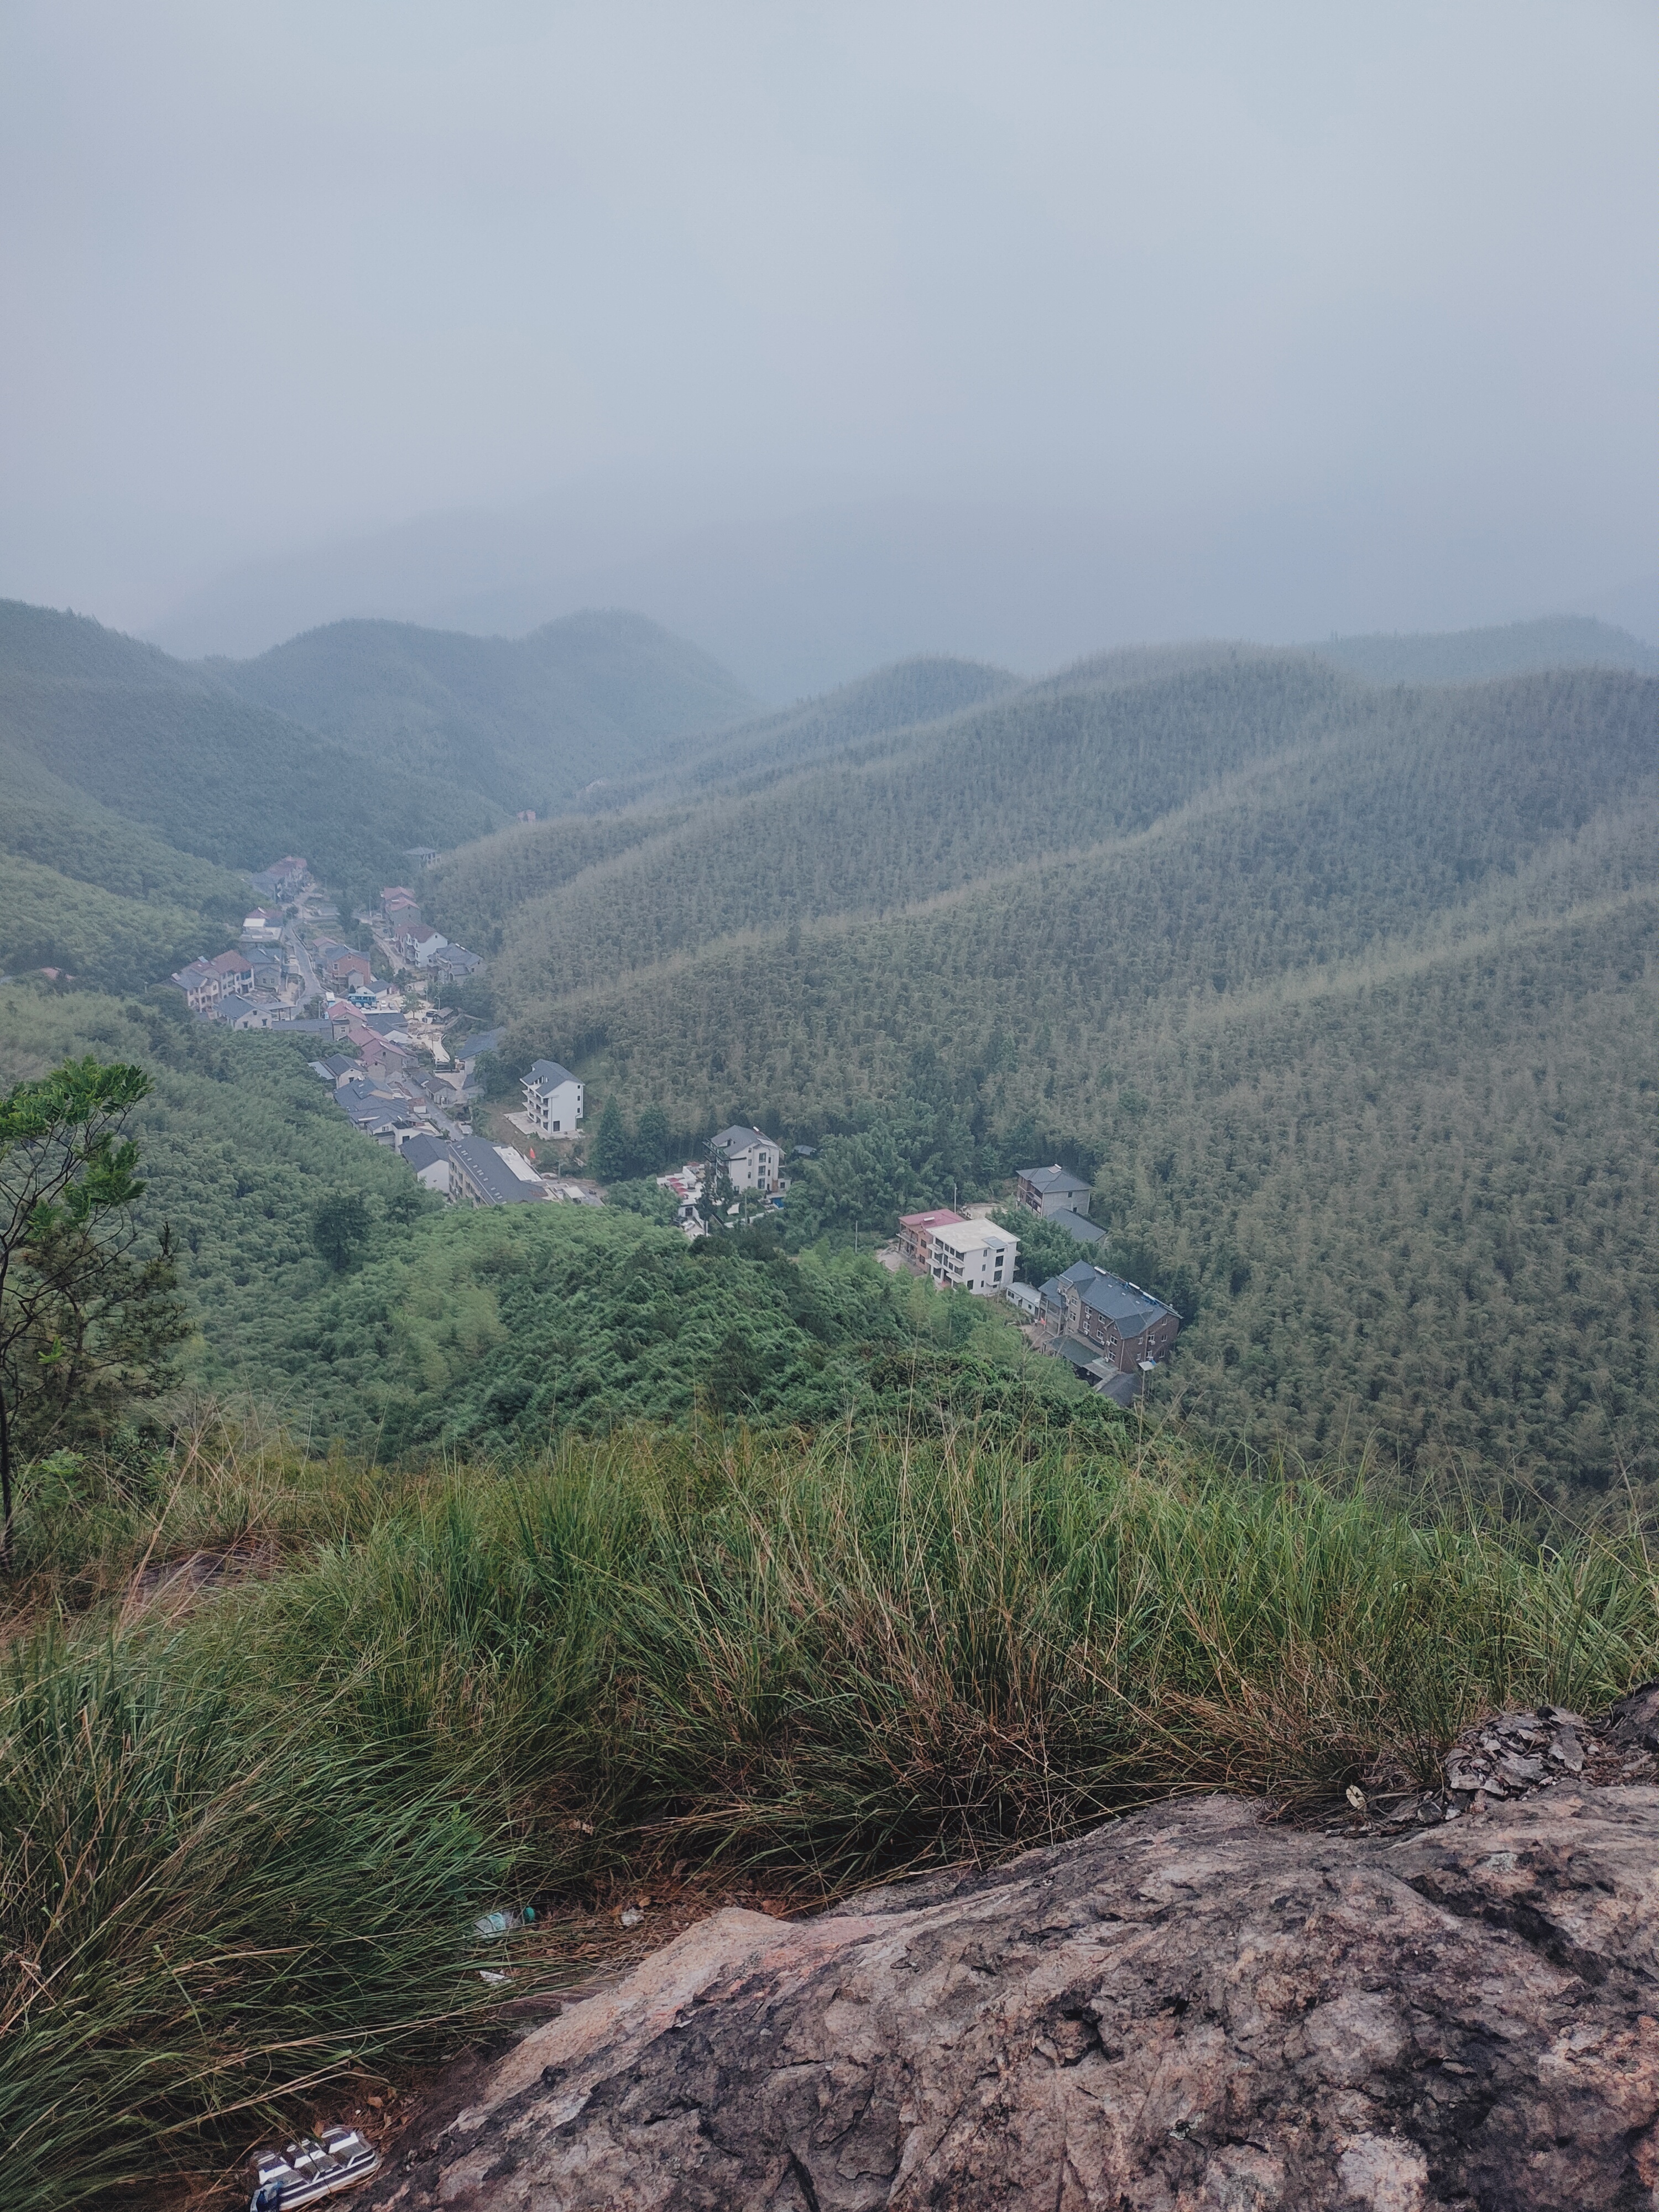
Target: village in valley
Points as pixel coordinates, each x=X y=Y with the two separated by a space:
x=381 y=1025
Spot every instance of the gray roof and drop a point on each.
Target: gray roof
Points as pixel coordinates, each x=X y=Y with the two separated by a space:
x=738 y=1138
x=1078 y=1225
x=371 y=1110
x=1122 y=1389
x=550 y=1072
x=485 y=1166
x=1131 y=1310
x=424 y=1151
x=486 y=1041
x=1079 y=1352
x=1043 y=1180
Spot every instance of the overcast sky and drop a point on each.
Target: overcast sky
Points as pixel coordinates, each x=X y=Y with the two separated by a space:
x=278 y=276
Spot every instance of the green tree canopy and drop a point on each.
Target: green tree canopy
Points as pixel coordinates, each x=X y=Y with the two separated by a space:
x=339 y=1227
x=85 y=1325
x=613 y=1152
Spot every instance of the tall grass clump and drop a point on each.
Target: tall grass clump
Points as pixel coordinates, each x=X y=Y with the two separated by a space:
x=851 y=1656
x=242 y=1836
x=208 y=1905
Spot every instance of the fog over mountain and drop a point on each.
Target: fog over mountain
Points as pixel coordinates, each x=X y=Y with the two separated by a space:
x=796 y=604
x=1013 y=333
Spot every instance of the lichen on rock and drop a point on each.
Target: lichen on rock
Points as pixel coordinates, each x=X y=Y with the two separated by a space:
x=1191 y=2010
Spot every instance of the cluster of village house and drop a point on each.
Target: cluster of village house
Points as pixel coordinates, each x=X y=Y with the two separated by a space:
x=282 y=966
x=1112 y=1332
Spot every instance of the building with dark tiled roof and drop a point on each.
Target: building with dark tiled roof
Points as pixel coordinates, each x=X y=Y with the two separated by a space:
x=1104 y=1325
x=491 y=1174
x=552 y=1098
x=427 y=1158
x=1078 y=1226
x=1050 y=1190
x=752 y=1158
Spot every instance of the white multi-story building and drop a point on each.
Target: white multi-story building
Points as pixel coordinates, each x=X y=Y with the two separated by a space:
x=973 y=1255
x=552 y=1099
x=205 y=982
x=420 y=945
x=752 y=1158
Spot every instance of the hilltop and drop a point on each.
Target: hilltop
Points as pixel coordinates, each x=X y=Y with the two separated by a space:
x=1469 y=656
x=525 y=721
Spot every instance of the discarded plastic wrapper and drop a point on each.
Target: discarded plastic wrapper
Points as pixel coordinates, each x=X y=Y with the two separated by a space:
x=502 y=1922
x=305 y=2171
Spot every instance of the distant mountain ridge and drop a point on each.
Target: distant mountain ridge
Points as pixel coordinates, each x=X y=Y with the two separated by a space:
x=1474 y=656
x=110 y=722
x=526 y=721
x=133 y=785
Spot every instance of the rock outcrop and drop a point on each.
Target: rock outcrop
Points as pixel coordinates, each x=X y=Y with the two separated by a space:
x=1189 y=2011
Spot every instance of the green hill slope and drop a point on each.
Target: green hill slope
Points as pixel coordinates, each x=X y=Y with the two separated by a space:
x=48 y=920
x=527 y=721
x=906 y=696
x=156 y=742
x=1472 y=656
x=82 y=889
x=906 y=816
x=1349 y=993
x=472 y=891
x=239 y=1141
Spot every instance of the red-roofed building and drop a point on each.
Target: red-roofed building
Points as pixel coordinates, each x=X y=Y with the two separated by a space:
x=205 y=983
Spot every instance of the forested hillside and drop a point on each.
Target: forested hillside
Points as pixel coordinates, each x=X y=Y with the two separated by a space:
x=494 y=1329
x=499 y=1329
x=132 y=785
x=93 y=719
x=901 y=818
x=84 y=890
x=1348 y=993
x=526 y=721
x=1342 y=991
x=904 y=697
x=240 y=1143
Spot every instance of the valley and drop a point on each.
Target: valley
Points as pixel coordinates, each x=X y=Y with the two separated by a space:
x=1340 y=993
x=1330 y=997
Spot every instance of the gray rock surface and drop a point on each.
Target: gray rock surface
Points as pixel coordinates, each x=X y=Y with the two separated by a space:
x=1189 y=2011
